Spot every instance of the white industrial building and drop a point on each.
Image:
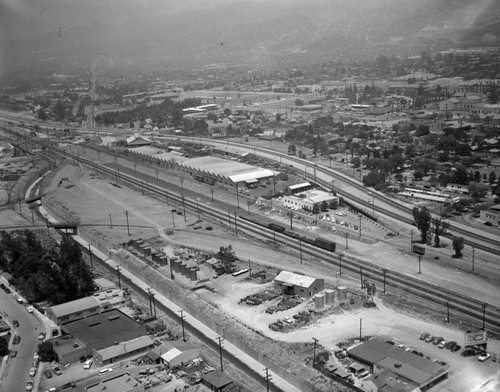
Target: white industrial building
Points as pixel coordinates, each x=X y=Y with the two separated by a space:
x=309 y=199
x=179 y=353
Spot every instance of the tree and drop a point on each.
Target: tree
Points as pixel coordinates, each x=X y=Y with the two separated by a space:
x=492 y=177
x=227 y=257
x=422 y=218
x=299 y=102
x=59 y=111
x=4 y=346
x=477 y=190
x=292 y=149
x=46 y=352
x=42 y=116
x=458 y=246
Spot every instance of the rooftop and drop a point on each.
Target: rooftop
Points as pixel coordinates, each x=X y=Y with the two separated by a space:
x=121 y=383
x=126 y=347
x=76 y=306
x=104 y=329
x=403 y=363
x=294 y=279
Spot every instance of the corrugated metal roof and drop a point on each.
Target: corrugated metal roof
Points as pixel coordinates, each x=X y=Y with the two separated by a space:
x=76 y=306
x=294 y=279
x=297 y=186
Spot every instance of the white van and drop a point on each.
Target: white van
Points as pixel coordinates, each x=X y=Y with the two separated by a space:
x=104 y=371
x=88 y=364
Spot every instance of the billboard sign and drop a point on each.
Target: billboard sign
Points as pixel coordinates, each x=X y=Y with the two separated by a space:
x=475 y=338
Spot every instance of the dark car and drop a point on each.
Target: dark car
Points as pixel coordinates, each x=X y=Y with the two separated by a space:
x=429 y=338
x=437 y=340
x=13 y=353
x=424 y=335
x=57 y=371
x=16 y=323
x=48 y=374
x=2 y=286
x=455 y=348
x=390 y=342
x=468 y=353
x=16 y=340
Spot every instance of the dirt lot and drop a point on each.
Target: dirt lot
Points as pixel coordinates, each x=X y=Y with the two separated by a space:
x=98 y=203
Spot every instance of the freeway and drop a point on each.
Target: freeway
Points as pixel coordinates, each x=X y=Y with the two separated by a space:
x=17 y=371
x=344 y=185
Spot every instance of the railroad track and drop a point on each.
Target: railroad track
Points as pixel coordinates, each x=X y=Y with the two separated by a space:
x=465 y=308
x=468 y=309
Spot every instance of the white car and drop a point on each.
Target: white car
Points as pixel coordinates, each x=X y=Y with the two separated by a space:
x=30 y=309
x=88 y=364
x=32 y=372
x=483 y=357
x=442 y=344
x=287 y=320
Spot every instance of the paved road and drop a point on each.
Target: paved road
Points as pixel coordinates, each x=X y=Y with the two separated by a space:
x=17 y=371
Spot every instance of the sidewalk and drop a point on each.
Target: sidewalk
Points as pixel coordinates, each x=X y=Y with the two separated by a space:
x=229 y=347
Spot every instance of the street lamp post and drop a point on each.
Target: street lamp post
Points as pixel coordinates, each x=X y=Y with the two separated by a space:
x=110 y=221
x=198 y=207
x=314 y=351
x=300 y=249
x=173 y=220
x=128 y=228
x=340 y=266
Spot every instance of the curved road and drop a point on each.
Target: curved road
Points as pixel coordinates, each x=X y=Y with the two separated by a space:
x=17 y=369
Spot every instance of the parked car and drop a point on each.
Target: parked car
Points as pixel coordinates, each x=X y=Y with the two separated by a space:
x=16 y=340
x=437 y=340
x=57 y=371
x=450 y=345
x=15 y=323
x=88 y=364
x=48 y=374
x=442 y=344
x=13 y=354
x=456 y=348
x=29 y=385
x=287 y=320
x=424 y=335
x=429 y=338
x=41 y=336
x=483 y=357
x=390 y=342
x=468 y=352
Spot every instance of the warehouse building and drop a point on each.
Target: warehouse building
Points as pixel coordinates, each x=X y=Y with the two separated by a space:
x=418 y=372
x=223 y=172
x=120 y=350
x=86 y=336
x=301 y=285
x=73 y=310
x=310 y=200
x=179 y=353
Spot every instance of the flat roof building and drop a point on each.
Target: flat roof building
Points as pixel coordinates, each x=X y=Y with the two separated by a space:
x=117 y=383
x=309 y=200
x=301 y=285
x=73 y=310
x=408 y=366
x=121 y=350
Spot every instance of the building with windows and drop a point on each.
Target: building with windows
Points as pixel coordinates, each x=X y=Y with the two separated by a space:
x=122 y=382
x=310 y=200
x=491 y=215
x=73 y=310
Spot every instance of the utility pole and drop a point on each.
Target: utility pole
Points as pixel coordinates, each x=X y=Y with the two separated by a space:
x=182 y=317
x=220 y=340
x=300 y=249
x=184 y=207
x=411 y=240
x=360 y=327
x=110 y=221
x=268 y=378
x=238 y=196
x=473 y=249
x=419 y=262
x=340 y=260
x=235 y=224
x=314 y=351
x=173 y=219
x=361 y=276
x=484 y=316
x=385 y=272
x=119 y=278
x=346 y=241
x=360 y=225
x=128 y=228
x=90 y=254
x=448 y=312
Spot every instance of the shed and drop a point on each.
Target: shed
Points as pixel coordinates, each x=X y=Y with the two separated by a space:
x=301 y=285
x=180 y=353
x=216 y=381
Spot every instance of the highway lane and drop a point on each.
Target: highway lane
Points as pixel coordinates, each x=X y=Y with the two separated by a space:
x=17 y=371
